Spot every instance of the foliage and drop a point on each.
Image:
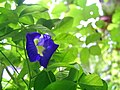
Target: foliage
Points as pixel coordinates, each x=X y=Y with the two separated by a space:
x=84 y=53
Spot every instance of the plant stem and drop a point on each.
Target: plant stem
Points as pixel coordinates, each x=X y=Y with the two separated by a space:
x=9 y=61
x=12 y=65
x=27 y=66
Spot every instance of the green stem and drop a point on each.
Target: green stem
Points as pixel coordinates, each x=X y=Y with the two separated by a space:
x=19 y=53
x=14 y=80
x=27 y=66
x=12 y=65
x=9 y=61
x=6 y=84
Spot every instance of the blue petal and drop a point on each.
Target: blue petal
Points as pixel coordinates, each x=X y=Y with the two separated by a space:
x=31 y=48
x=50 y=48
x=46 y=42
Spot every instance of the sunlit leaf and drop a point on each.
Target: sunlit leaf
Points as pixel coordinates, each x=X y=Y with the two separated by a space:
x=95 y=50
x=27 y=20
x=84 y=58
x=64 y=38
x=59 y=8
x=115 y=34
x=100 y=24
x=116 y=18
x=81 y=3
x=88 y=10
x=93 y=37
x=76 y=14
x=64 y=25
x=91 y=82
x=67 y=56
x=29 y=10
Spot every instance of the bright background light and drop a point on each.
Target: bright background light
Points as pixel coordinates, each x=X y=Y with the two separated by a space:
x=89 y=2
x=35 y=1
x=31 y=1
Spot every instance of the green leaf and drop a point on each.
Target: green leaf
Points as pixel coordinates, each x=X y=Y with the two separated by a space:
x=14 y=26
x=88 y=9
x=91 y=79
x=104 y=87
x=93 y=37
x=59 y=8
x=65 y=25
x=74 y=74
x=76 y=14
x=84 y=58
x=64 y=38
x=44 y=3
x=7 y=5
x=7 y=16
x=7 y=32
x=62 y=64
x=95 y=50
x=85 y=30
x=115 y=34
x=100 y=24
x=38 y=15
x=29 y=10
x=41 y=28
x=112 y=26
x=13 y=57
x=67 y=56
x=27 y=20
x=90 y=82
x=81 y=3
x=20 y=8
x=47 y=23
x=43 y=80
x=18 y=36
x=2 y=1
x=62 y=85
x=115 y=17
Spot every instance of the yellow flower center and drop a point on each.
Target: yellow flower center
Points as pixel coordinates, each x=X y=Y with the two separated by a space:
x=40 y=49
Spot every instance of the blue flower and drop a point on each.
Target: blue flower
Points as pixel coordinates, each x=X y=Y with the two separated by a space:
x=40 y=48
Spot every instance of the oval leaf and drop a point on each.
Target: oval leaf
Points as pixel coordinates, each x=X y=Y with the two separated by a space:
x=84 y=55
x=93 y=37
x=62 y=85
x=43 y=80
x=95 y=50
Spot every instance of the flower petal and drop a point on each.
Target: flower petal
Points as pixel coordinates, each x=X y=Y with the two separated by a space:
x=31 y=48
x=33 y=41
x=50 y=48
